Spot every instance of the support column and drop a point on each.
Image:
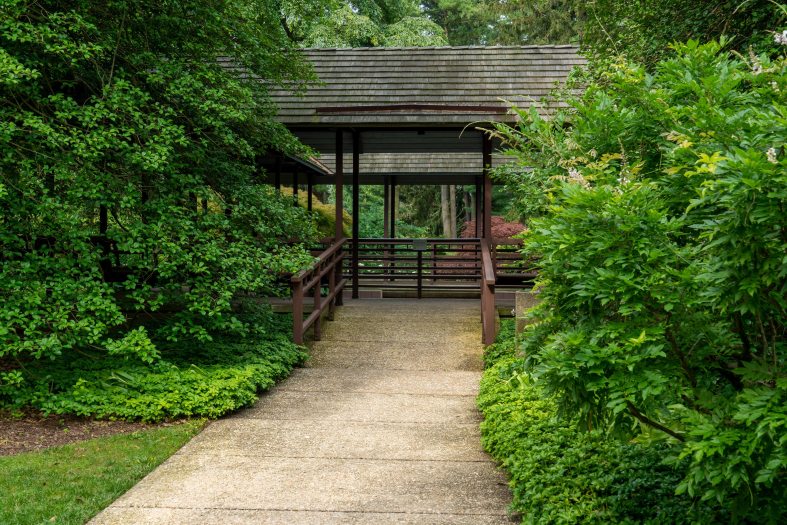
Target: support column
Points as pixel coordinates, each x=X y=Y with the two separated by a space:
x=478 y=200
x=356 y=209
x=339 y=182
x=487 y=163
x=392 y=210
x=386 y=205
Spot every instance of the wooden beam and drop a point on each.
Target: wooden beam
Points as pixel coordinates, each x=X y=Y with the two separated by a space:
x=487 y=163
x=356 y=210
x=478 y=200
x=339 y=182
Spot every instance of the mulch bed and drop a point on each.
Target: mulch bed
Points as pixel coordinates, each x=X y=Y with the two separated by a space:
x=34 y=431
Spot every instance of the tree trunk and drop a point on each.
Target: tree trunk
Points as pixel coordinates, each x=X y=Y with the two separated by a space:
x=445 y=210
x=452 y=213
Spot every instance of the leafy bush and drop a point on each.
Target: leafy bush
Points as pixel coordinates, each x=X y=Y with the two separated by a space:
x=663 y=272
x=117 y=124
x=559 y=474
x=191 y=379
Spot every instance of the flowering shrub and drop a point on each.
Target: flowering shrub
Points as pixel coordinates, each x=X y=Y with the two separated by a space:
x=662 y=239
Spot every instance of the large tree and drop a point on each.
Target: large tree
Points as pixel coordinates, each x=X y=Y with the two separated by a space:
x=116 y=120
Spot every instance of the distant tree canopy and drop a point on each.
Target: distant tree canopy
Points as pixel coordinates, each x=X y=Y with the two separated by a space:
x=370 y=23
x=640 y=30
x=508 y=22
x=644 y=31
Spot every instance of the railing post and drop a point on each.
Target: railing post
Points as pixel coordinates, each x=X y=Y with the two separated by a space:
x=331 y=288
x=338 y=273
x=317 y=305
x=434 y=262
x=297 y=312
x=420 y=283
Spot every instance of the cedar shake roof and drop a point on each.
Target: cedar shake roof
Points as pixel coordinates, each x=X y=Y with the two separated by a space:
x=424 y=86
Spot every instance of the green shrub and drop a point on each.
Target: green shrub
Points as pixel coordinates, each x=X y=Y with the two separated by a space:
x=191 y=379
x=663 y=275
x=560 y=474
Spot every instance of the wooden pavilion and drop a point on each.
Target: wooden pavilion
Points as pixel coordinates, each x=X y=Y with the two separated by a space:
x=408 y=116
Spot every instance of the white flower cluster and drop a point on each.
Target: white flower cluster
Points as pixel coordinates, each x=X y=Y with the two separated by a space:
x=781 y=38
x=771 y=156
x=576 y=177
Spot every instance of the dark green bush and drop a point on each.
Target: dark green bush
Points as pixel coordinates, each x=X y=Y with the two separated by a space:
x=191 y=378
x=560 y=474
x=663 y=275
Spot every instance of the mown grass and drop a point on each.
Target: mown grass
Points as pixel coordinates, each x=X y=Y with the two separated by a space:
x=70 y=484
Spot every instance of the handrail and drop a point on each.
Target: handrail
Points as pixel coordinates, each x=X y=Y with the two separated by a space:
x=328 y=263
x=488 y=321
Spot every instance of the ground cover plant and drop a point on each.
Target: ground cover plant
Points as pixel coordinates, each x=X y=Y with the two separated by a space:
x=72 y=483
x=657 y=203
x=562 y=474
x=188 y=378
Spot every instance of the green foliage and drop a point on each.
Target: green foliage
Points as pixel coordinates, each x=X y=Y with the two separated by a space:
x=192 y=378
x=662 y=265
x=373 y=23
x=643 y=31
x=122 y=106
x=560 y=474
x=73 y=483
x=511 y=23
x=323 y=215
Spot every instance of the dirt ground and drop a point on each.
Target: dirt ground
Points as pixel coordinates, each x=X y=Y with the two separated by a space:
x=33 y=431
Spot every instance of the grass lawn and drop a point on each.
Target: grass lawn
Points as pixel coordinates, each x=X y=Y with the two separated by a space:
x=72 y=483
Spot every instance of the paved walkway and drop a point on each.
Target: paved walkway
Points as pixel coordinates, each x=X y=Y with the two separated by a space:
x=381 y=427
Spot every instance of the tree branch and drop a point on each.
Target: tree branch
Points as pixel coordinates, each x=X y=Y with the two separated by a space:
x=645 y=419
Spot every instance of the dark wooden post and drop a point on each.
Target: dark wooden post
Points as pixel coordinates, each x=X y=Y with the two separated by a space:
x=339 y=182
x=356 y=209
x=392 y=225
x=297 y=312
x=317 y=306
x=478 y=198
x=487 y=160
x=392 y=220
x=386 y=205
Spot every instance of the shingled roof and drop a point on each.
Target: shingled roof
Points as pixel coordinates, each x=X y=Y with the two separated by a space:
x=424 y=86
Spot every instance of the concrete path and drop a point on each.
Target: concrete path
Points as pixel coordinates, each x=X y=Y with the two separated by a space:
x=381 y=427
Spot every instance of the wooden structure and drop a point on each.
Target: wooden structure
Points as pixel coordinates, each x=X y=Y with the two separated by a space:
x=404 y=116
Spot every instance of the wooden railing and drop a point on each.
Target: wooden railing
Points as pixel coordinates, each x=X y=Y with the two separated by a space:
x=488 y=318
x=417 y=263
x=328 y=264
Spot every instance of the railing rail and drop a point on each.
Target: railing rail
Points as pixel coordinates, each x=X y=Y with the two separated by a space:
x=328 y=264
x=488 y=320
x=401 y=263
